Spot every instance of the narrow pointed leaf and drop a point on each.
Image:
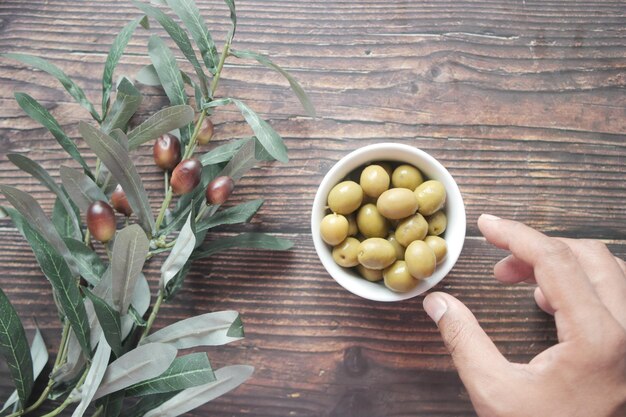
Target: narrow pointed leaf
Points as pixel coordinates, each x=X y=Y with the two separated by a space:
x=205 y=330
x=241 y=213
x=74 y=90
x=127 y=101
x=142 y=363
x=82 y=190
x=111 y=404
x=109 y=321
x=179 y=36
x=244 y=240
x=14 y=349
x=176 y=283
x=188 y=12
x=129 y=254
x=266 y=135
x=41 y=115
x=94 y=376
x=147 y=403
x=161 y=122
x=89 y=263
x=76 y=360
x=185 y=372
x=295 y=86
x=33 y=168
x=118 y=161
x=223 y=153
x=147 y=75
x=115 y=53
x=185 y=244
x=63 y=221
x=227 y=379
x=138 y=307
x=242 y=162
x=120 y=137
x=233 y=19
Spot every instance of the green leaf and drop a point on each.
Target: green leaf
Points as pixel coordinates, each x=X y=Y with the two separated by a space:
x=188 y=12
x=115 y=53
x=31 y=212
x=185 y=244
x=138 y=307
x=109 y=320
x=227 y=379
x=244 y=240
x=63 y=221
x=82 y=190
x=129 y=254
x=144 y=362
x=120 y=137
x=147 y=75
x=70 y=370
x=89 y=263
x=119 y=163
x=241 y=213
x=136 y=317
x=95 y=375
x=127 y=101
x=74 y=90
x=39 y=113
x=176 y=283
x=233 y=19
x=209 y=329
x=266 y=135
x=223 y=153
x=161 y=122
x=14 y=349
x=147 y=403
x=112 y=404
x=185 y=372
x=179 y=36
x=37 y=171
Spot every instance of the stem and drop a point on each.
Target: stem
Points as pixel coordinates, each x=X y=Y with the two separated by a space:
x=220 y=65
x=61 y=354
x=68 y=400
x=153 y=314
x=98 y=412
x=166 y=178
x=98 y=168
x=166 y=203
x=87 y=237
x=202 y=212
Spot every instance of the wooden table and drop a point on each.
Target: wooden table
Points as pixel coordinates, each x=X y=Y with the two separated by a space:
x=523 y=101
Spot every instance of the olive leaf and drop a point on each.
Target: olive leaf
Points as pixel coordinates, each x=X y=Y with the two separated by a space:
x=179 y=36
x=39 y=113
x=127 y=101
x=295 y=86
x=243 y=161
x=14 y=349
x=241 y=213
x=119 y=163
x=37 y=171
x=82 y=190
x=161 y=122
x=188 y=12
x=176 y=283
x=130 y=249
x=244 y=240
x=89 y=263
x=210 y=329
x=266 y=135
x=147 y=403
x=227 y=379
x=223 y=153
x=109 y=320
x=233 y=19
x=115 y=53
x=95 y=375
x=185 y=244
x=142 y=363
x=121 y=138
x=138 y=306
x=63 y=221
x=76 y=361
x=39 y=356
x=111 y=404
x=184 y=372
x=70 y=86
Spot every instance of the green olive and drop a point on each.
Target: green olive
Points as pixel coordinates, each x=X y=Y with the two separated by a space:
x=397 y=246
x=431 y=196
x=420 y=259
x=345 y=197
x=372 y=275
x=376 y=253
x=370 y=222
x=437 y=223
x=334 y=229
x=353 y=229
x=397 y=203
x=374 y=180
x=406 y=176
x=346 y=253
x=411 y=228
x=397 y=277
x=439 y=246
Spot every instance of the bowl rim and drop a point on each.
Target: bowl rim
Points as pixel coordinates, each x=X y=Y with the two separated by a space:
x=432 y=169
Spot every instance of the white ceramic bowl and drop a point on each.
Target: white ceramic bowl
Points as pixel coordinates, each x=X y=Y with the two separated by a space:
x=431 y=168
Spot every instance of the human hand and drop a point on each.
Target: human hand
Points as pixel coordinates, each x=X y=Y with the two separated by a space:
x=584 y=286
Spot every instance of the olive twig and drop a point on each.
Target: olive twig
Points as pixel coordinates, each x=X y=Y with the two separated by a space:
x=164 y=206
x=153 y=314
x=69 y=399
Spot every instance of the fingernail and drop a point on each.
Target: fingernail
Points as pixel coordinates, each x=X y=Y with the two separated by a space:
x=489 y=217
x=435 y=307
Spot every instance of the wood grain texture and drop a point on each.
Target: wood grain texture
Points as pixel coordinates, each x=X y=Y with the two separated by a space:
x=524 y=102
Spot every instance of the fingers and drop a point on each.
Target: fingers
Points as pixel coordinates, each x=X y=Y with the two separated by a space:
x=542 y=302
x=474 y=354
x=511 y=270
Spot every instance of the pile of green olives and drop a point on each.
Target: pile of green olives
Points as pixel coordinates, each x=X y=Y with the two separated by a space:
x=387 y=221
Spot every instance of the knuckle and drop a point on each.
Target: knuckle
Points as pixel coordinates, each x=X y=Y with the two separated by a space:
x=594 y=245
x=555 y=249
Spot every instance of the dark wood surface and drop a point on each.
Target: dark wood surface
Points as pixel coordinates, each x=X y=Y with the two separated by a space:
x=523 y=101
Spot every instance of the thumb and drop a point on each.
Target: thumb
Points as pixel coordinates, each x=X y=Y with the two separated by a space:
x=477 y=359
